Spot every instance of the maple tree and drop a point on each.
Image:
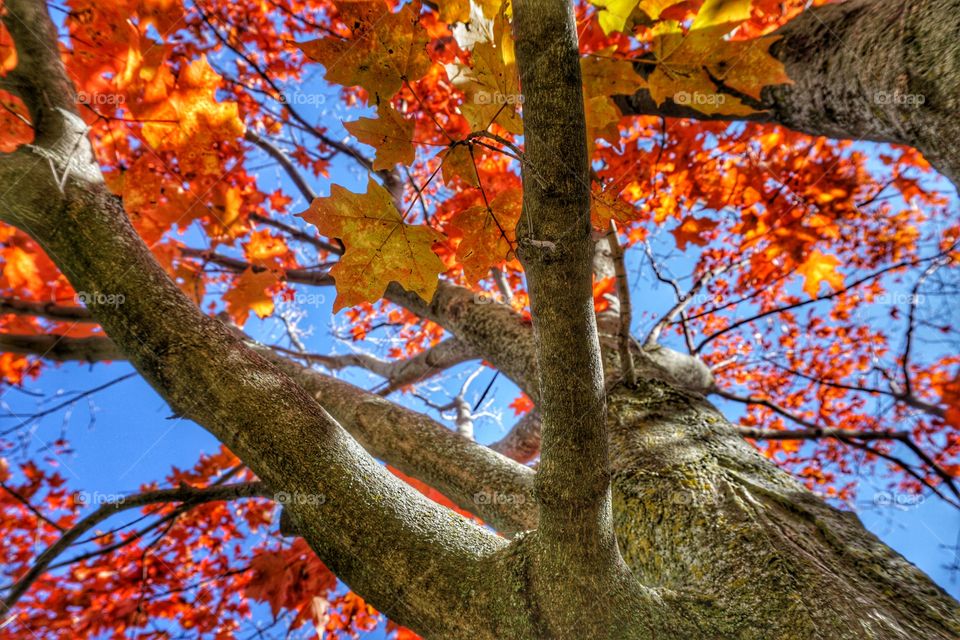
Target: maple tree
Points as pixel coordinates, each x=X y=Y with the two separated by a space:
x=529 y=166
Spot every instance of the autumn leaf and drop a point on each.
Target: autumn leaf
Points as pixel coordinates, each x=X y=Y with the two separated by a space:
x=724 y=14
x=602 y=117
x=616 y=15
x=250 y=293
x=603 y=291
x=653 y=8
x=691 y=230
x=692 y=87
x=521 y=404
x=604 y=75
x=389 y=133
x=459 y=10
x=488 y=234
x=690 y=65
x=817 y=268
x=20 y=269
x=379 y=247
x=458 y=164
x=384 y=50
x=605 y=205
x=492 y=85
x=191 y=122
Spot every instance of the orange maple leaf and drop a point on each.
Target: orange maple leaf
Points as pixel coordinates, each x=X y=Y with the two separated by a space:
x=250 y=293
x=691 y=230
x=817 y=268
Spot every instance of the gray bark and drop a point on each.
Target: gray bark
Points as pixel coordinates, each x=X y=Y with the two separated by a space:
x=879 y=70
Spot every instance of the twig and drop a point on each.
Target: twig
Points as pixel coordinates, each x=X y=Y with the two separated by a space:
x=187 y=495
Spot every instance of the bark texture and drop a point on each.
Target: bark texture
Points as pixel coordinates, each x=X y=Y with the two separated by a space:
x=880 y=70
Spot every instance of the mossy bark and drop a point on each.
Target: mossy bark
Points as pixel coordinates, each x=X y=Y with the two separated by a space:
x=700 y=512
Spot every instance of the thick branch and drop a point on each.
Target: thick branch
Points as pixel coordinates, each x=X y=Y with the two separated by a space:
x=575 y=543
x=557 y=254
x=881 y=70
x=522 y=443
x=475 y=477
x=378 y=534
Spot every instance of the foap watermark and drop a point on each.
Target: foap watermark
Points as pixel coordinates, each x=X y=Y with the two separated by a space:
x=699 y=99
x=300 y=98
x=100 y=299
x=285 y=498
x=901 y=299
x=494 y=497
x=899 y=99
x=96 y=99
x=495 y=97
x=485 y=297
x=898 y=500
x=309 y=299
x=98 y=499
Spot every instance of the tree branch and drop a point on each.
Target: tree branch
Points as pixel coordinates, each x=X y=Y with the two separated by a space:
x=47 y=310
x=475 y=477
x=274 y=152
x=880 y=70
x=522 y=443
x=375 y=532
x=575 y=538
x=626 y=310
x=494 y=331
x=400 y=373
x=61 y=348
x=850 y=436
x=188 y=495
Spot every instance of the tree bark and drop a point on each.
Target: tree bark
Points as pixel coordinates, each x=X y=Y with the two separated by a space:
x=879 y=70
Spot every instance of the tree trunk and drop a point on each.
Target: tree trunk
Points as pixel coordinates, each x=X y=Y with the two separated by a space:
x=700 y=512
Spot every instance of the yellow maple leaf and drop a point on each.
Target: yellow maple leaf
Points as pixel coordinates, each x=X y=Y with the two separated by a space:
x=616 y=15
x=389 y=133
x=492 y=91
x=602 y=117
x=458 y=164
x=459 y=10
x=488 y=234
x=379 y=247
x=604 y=75
x=249 y=293
x=690 y=65
x=385 y=49
x=692 y=87
x=817 y=268
x=721 y=13
x=492 y=86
